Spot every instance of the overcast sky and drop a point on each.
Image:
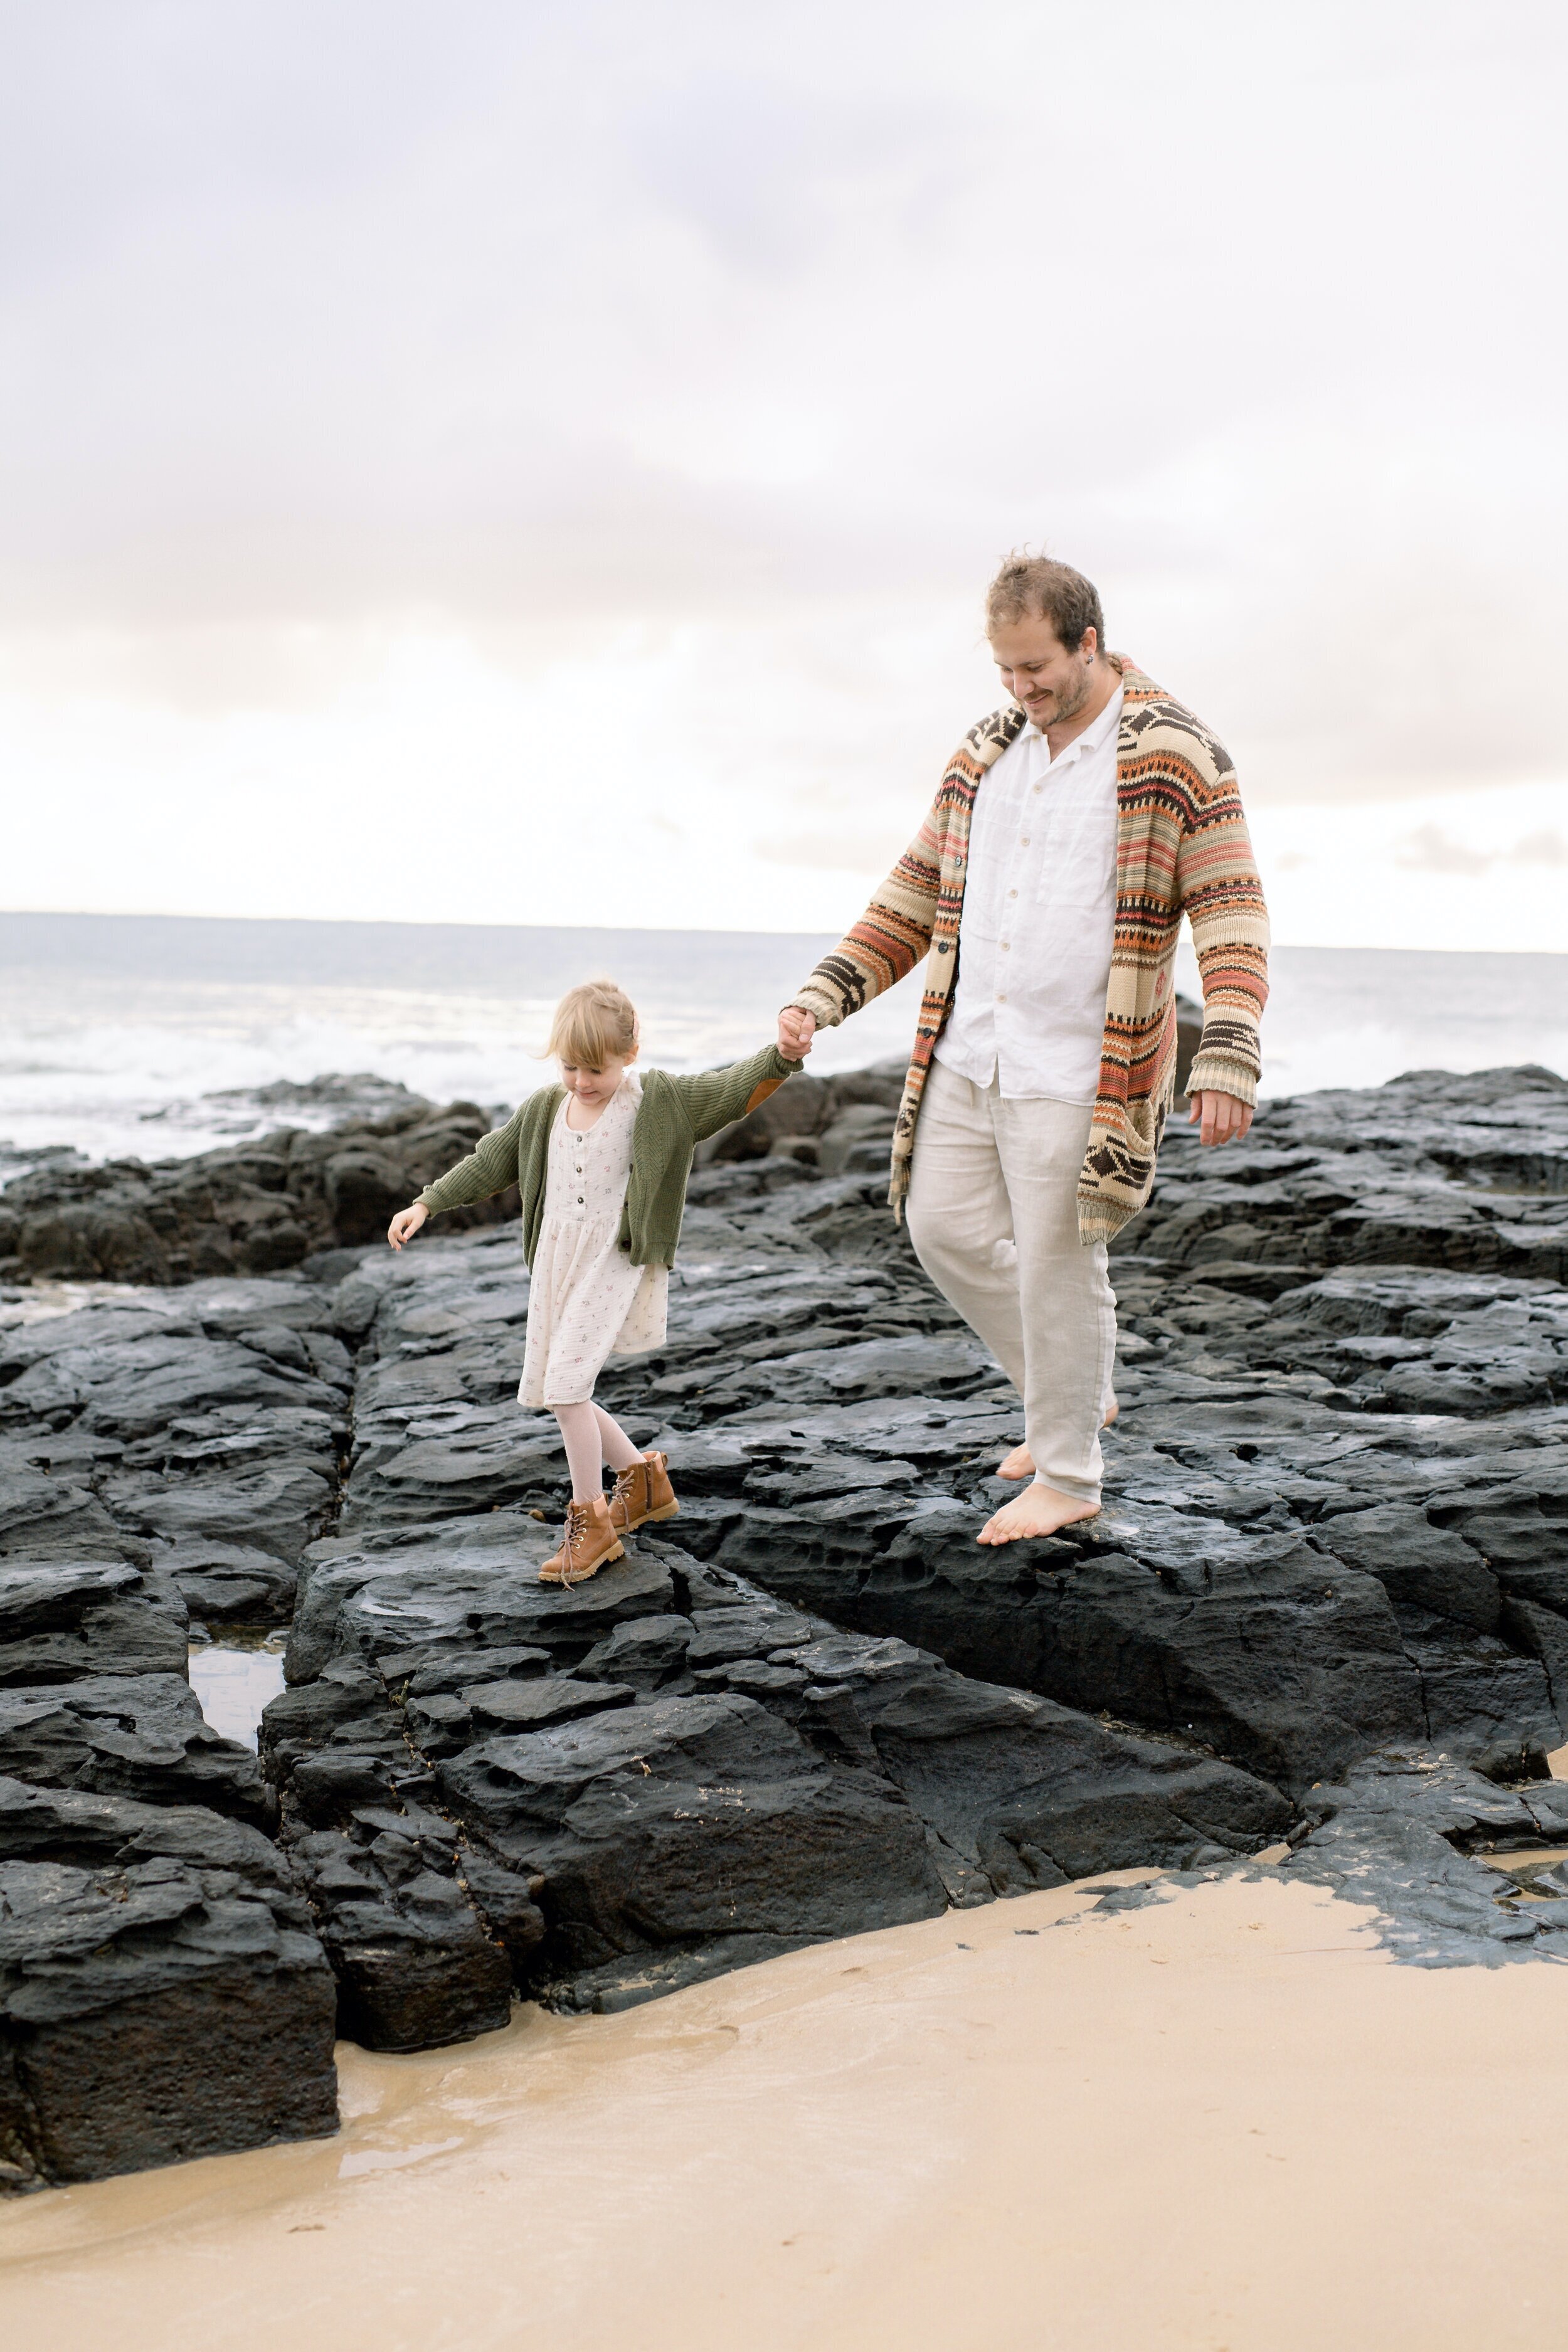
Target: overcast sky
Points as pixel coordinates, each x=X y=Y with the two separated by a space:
x=528 y=463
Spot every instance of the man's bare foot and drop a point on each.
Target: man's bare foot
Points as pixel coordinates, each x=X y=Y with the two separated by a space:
x=1037 y=1511
x=1020 y=1462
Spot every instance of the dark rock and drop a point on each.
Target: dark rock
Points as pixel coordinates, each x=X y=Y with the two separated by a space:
x=858 y=1140
x=416 y=1965
x=644 y=1652
x=224 y=1583
x=1189 y=1037
x=59 y=1620
x=1327 y=1597
x=1417 y=1562
x=809 y=1107
x=254 y=1209
x=1035 y=1795
x=686 y=1818
x=162 y=1996
x=1281 y=1661
x=84 y=1828
x=132 y=1735
x=1403 y=1834
x=534 y=1706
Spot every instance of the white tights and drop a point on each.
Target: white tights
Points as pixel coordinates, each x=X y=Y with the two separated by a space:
x=592 y=1439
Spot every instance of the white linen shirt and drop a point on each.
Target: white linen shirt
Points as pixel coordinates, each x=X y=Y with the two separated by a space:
x=1039 y=916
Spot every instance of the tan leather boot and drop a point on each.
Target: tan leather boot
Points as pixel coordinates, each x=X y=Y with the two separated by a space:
x=589 y=1542
x=642 y=1493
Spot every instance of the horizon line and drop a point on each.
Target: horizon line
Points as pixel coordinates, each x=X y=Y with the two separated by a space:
x=624 y=931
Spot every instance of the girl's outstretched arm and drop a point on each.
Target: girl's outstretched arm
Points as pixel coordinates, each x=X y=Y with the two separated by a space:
x=489 y=1169
x=716 y=1099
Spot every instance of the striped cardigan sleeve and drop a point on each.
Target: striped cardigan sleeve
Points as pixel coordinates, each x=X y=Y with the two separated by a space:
x=889 y=939
x=1219 y=887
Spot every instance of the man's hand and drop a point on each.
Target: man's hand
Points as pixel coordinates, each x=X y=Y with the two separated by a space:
x=1219 y=1119
x=796 y=1030
x=405 y=1225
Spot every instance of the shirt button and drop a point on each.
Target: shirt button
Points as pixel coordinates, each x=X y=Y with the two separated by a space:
x=1024 y=843
x=1012 y=894
x=1001 y=999
x=1005 y=945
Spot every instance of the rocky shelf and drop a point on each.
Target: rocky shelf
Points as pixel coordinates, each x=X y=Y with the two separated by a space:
x=1322 y=1625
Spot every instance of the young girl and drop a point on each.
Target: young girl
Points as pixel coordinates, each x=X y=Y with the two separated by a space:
x=602 y=1162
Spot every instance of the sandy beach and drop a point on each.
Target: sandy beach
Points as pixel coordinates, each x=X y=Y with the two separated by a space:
x=1226 y=2120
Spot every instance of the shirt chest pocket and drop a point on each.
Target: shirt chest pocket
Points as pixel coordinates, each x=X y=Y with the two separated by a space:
x=1077 y=856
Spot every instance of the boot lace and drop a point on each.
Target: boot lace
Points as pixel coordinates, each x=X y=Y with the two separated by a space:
x=579 y=1521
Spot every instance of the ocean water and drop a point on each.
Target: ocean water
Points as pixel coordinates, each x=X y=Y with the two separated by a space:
x=148 y=1035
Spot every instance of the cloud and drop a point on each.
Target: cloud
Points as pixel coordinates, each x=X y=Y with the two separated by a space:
x=1430 y=849
x=724 y=351
x=1547 y=847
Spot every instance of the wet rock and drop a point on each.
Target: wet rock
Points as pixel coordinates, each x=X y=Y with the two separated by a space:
x=257 y=1208
x=686 y=1818
x=1032 y=1793
x=415 y=1964
x=46 y=1517
x=857 y=1141
x=645 y=1653
x=810 y=1107
x=223 y=1583
x=162 y=1995
x=1327 y=1597
x=205 y=1416
x=1404 y=1833
x=1287 y=1664
x=1415 y=1562
x=140 y=1735
x=60 y=1620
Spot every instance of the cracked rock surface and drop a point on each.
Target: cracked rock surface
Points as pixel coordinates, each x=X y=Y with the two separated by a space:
x=1322 y=1619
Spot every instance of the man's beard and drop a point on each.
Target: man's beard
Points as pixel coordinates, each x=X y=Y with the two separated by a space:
x=1067 y=701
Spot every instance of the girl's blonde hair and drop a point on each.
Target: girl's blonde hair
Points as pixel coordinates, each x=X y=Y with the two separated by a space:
x=593 y=1024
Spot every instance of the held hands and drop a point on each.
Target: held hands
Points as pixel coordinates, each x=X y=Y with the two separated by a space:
x=405 y=1225
x=796 y=1030
x=1219 y=1119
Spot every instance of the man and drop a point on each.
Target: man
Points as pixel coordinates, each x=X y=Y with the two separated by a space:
x=1047 y=887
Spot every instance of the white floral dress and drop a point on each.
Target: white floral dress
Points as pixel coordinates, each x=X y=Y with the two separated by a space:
x=586 y=1300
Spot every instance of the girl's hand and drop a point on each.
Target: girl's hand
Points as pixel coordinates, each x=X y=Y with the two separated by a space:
x=405 y=1225
x=796 y=1030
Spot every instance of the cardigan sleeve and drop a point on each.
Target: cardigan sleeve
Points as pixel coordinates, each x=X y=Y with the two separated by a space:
x=489 y=1169
x=889 y=939
x=716 y=1099
x=1217 y=884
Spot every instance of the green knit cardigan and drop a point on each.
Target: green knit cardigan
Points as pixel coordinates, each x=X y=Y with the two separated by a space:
x=673 y=1116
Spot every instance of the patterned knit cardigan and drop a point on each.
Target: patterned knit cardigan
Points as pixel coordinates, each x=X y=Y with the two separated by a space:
x=1181 y=846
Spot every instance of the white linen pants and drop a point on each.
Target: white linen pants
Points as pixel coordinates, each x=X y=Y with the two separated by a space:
x=992 y=1214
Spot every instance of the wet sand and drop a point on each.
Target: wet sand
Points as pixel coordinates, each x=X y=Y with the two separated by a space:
x=1226 y=2121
